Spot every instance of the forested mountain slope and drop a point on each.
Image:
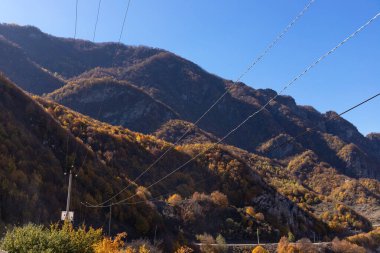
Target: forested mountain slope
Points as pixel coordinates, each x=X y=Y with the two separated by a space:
x=33 y=160
x=300 y=170
x=180 y=89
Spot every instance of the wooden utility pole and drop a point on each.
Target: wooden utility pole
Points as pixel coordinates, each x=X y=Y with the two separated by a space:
x=155 y=234
x=258 y=237
x=109 y=221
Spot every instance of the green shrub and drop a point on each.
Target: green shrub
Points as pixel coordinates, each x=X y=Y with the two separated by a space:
x=58 y=239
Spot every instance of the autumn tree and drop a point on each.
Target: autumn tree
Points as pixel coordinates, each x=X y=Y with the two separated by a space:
x=250 y=211
x=109 y=245
x=206 y=241
x=259 y=249
x=174 y=199
x=184 y=249
x=219 y=199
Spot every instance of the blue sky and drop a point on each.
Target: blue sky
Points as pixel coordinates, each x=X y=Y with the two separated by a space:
x=224 y=36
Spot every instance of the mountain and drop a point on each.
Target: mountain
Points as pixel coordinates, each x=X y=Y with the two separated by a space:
x=189 y=91
x=15 y=64
x=340 y=203
x=289 y=169
x=217 y=170
x=62 y=58
x=37 y=135
x=98 y=98
x=35 y=152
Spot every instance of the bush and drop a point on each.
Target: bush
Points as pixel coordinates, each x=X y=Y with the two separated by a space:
x=343 y=246
x=302 y=246
x=174 y=199
x=306 y=246
x=285 y=247
x=107 y=245
x=206 y=241
x=219 y=198
x=222 y=247
x=58 y=239
x=184 y=249
x=144 y=245
x=291 y=237
x=259 y=249
x=250 y=211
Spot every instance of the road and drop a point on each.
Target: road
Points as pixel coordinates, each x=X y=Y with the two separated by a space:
x=252 y=244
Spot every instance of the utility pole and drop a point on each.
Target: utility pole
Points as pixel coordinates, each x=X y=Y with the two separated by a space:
x=69 y=195
x=155 y=233
x=67 y=215
x=258 y=237
x=109 y=221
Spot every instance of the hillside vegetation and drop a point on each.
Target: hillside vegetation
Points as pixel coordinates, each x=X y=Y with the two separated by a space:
x=112 y=110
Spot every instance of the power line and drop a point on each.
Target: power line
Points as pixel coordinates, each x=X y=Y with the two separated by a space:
x=331 y=119
x=101 y=104
x=125 y=18
x=95 y=28
x=255 y=61
x=76 y=19
x=306 y=70
x=97 y=19
x=68 y=131
x=157 y=198
x=69 y=187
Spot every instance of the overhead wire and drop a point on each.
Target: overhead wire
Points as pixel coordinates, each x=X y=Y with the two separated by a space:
x=256 y=60
x=93 y=40
x=68 y=130
x=159 y=197
x=95 y=28
x=297 y=77
x=96 y=22
x=76 y=19
x=101 y=103
x=125 y=18
x=317 y=126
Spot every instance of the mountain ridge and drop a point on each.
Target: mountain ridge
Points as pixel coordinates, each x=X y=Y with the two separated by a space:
x=188 y=91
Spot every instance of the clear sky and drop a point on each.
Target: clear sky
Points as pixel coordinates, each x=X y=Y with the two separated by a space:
x=223 y=37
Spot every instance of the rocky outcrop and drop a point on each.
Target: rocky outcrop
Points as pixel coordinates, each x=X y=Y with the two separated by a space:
x=358 y=164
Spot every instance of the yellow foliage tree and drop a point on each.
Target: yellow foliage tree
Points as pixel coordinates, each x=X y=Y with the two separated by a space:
x=143 y=249
x=219 y=199
x=107 y=245
x=184 y=249
x=259 y=249
x=250 y=211
x=130 y=250
x=174 y=199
